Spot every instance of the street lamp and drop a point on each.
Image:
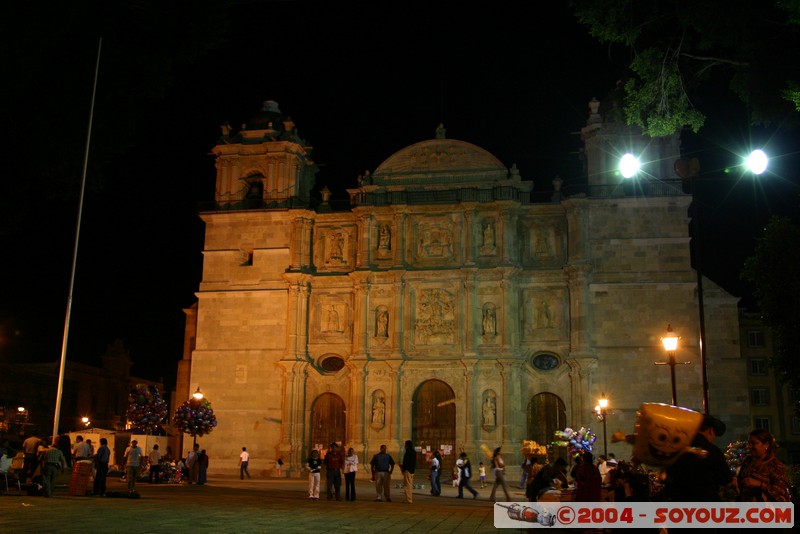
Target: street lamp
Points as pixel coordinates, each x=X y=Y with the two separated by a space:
x=197 y=396
x=670 y=342
x=602 y=414
x=688 y=170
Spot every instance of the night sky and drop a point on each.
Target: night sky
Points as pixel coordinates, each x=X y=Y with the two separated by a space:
x=360 y=80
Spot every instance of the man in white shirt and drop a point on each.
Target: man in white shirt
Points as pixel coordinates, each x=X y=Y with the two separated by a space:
x=244 y=461
x=82 y=450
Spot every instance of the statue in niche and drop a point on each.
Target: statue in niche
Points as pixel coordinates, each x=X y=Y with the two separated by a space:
x=489 y=321
x=488 y=235
x=336 y=253
x=384 y=237
x=332 y=323
x=489 y=414
x=543 y=245
x=543 y=314
x=382 y=323
x=378 y=411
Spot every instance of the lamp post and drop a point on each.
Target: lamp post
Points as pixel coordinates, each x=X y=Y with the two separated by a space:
x=755 y=163
x=670 y=342
x=197 y=396
x=602 y=414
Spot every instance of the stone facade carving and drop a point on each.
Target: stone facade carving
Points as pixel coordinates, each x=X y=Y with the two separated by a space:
x=435 y=319
x=489 y=410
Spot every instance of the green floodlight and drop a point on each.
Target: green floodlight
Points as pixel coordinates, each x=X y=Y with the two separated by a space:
x=757 y=162
x=629 y=165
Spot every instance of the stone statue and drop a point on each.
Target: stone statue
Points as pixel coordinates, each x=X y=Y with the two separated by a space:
x=378 y=411
x=489 y=320
x=382 y=326
x=384 y=237
x=488 y=235
x=489 y=415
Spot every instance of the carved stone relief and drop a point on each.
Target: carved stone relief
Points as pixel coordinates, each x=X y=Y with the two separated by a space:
x=543 y=314
x=332 y=318
x=435 y=320
x=434 y=240
x=333 y=249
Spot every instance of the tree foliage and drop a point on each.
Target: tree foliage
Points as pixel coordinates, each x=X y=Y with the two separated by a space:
x=774 y=271
x=677 y=47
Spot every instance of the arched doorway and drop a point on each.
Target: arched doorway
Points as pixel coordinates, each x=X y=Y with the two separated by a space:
x=328 y=421
x=546 y=415
x=433 y=423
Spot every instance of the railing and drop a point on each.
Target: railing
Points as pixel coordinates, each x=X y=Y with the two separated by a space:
x=628 y=189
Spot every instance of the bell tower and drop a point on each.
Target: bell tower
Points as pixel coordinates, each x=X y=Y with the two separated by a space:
x=264 y=164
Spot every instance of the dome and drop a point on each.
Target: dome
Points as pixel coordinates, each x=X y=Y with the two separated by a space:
x=439 y=161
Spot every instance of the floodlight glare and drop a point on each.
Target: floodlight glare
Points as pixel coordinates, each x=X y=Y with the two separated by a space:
x=757 y=161
x=629 y=165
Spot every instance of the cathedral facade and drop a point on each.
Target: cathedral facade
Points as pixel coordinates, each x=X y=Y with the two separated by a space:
x=444 y=306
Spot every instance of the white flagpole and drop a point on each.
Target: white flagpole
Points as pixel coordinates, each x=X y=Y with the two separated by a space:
x=60 y=390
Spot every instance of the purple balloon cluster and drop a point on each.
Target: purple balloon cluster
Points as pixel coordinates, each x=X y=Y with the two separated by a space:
x=146 y=409
x=195 y=417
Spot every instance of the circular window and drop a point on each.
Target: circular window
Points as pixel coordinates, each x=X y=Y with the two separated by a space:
x=332 y=364
x=545 y=362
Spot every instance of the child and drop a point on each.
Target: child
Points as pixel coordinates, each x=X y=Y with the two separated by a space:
x=455 y=476
x=482 y=472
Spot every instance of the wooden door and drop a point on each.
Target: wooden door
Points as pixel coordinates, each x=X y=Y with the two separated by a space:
x=328 y=421
x=434 y=423
x=547 y=414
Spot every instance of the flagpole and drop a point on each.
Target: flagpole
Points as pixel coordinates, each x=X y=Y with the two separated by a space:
x=60 y=390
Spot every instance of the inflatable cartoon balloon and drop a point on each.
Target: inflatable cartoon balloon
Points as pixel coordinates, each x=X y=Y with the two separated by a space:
x=662 y=433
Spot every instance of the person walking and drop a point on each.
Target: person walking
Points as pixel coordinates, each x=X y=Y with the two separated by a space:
x=333 y=472
x=101 y=459
x=482 y=474
x=382 y=466
x=465 y=474
x=314 y=466
x=133 y=459
x=155 y=465
x=762 y=477
x=407 y=466
x=244 y=461
x=350 y=470
x=499 y=466
x=53 y=462
x=436 y=469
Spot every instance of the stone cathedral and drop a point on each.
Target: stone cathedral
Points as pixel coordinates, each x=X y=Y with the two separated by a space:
x=445 y=305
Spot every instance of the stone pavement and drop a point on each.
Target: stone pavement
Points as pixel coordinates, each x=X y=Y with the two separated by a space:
x=227 y=504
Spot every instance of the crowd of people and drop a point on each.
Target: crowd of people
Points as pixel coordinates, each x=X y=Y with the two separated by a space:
x=701 y=474
x=40 y=460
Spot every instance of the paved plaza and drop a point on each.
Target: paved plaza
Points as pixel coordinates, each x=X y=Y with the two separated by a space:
x=227 y=504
